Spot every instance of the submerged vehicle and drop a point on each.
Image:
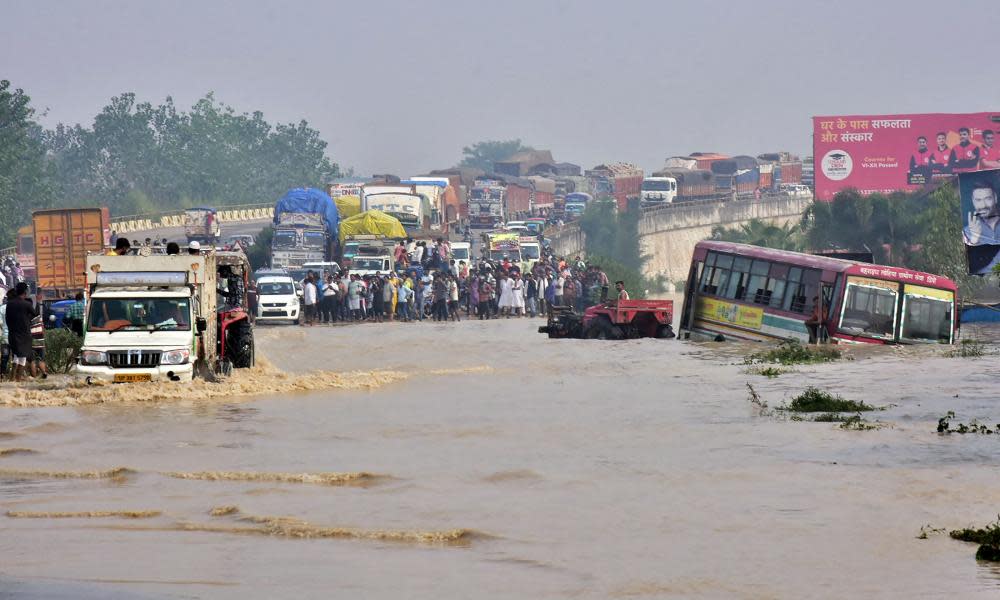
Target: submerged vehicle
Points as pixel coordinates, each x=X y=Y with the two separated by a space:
x=166 y=317
x=613 y=320
x=753 y=293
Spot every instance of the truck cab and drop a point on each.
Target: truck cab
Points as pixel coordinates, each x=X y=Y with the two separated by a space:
x=658 y=190
x=202 y=225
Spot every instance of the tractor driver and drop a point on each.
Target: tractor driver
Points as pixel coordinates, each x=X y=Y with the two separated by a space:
x=620 y=286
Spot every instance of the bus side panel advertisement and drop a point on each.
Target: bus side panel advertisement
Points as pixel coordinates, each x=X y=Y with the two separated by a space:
x=727 y=312
x=889 y=153
x=980 y=192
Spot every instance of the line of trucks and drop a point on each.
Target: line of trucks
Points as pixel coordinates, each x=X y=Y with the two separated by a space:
x=149 y=316
x=710 y=176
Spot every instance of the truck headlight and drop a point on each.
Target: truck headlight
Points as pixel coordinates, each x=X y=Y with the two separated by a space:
x=175 y=357
x=94 y=357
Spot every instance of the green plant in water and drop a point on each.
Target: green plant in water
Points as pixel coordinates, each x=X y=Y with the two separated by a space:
x=987 y=537
x=791 y=352
x=969 y=349
x=816 y=400
x=974 y=426
x=929 y=529
x=61 y=349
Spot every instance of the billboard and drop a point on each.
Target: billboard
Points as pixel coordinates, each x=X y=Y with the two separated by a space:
x=981 y=219
x=888 y=153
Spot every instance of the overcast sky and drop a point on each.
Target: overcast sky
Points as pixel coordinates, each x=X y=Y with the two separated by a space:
x=401 y=86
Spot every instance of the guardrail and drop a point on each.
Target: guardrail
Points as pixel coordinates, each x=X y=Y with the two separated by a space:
x=654 y=208
x=239 y=213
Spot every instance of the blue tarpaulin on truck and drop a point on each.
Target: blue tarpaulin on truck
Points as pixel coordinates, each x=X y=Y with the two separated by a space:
x=310 y=200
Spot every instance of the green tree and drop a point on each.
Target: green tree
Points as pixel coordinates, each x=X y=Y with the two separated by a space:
x=259 y=254
x=482 y=155
x=760 y=233
x=941 y=249
x=138 y=158
x=25 y=175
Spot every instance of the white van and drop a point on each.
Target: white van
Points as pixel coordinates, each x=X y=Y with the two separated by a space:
x=277 y=300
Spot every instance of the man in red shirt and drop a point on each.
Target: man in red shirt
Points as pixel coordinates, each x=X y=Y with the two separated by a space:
x=941 y=155
x=965 y=156
x=920 y=163
x=989 y=155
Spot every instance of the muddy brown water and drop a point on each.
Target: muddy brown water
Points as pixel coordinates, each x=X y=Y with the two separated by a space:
x=482 y=460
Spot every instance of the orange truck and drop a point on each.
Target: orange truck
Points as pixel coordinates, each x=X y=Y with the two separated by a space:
x=63 y=239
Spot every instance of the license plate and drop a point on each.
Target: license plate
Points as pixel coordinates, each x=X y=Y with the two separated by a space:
x=133 y=377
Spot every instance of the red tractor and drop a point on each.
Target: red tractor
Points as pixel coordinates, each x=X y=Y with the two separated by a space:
x=614 y=320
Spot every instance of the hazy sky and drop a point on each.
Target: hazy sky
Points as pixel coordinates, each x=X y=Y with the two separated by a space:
x=401 y=86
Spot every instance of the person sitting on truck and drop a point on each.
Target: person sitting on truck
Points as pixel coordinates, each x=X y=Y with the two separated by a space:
x=122 y=247
x=173 y=249
x=233 y=293
x=399 y=254
x=620 y=286
x=194 y=248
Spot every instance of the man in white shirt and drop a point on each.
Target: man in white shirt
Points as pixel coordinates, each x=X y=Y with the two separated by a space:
x=560 y=282
x=309 y=300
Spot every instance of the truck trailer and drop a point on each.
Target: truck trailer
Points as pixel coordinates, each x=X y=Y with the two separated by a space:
x=62 y=239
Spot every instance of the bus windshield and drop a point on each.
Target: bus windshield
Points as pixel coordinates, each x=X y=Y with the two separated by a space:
x=869 y=308
x=927 y=314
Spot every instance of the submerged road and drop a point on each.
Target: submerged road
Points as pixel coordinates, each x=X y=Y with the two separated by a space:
x=481 y=459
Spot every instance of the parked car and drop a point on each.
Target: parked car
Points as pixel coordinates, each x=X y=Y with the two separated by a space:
x=277 y=299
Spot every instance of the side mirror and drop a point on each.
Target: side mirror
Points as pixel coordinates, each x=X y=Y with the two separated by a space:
x=201 y=325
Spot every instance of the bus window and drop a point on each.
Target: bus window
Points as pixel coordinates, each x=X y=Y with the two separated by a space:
x=869 y=308
x=927 y=314
x=757 y=288
x=715 y=277
x=738 y=279
x=776 y=284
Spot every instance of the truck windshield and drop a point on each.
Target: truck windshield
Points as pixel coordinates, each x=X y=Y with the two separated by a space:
x=513 y=255
x=369 y=264
x=143 y=314
x=351 y=248
x=276 y=288
x=656 y=186
x=927 y=314
x=314 y=239
x=284 y=239
x=529 y=252
x=460 y=253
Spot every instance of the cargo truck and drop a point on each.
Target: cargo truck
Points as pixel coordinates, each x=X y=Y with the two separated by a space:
x=166 y=317
x=306 y=229
x=486 y=204
x=62 y=240
x=620 y=181
x=202 y=225
x=401 y=201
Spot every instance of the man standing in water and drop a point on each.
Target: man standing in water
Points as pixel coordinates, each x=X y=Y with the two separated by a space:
x=20 y=312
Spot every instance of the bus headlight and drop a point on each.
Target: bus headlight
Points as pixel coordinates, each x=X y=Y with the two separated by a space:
x=175 y=357
x=94 y=357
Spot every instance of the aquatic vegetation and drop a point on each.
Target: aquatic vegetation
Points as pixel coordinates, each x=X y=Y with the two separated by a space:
x=791 y=352
x=858 y=423
x=987 y=537
x=974 y=426
x=970 y=349
x=929 y=529
x=769 y=372
x=816 y=400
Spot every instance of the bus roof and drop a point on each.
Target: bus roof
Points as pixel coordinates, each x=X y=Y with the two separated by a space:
x=829 y=264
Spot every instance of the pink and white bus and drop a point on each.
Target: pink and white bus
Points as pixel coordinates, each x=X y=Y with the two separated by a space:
x=753 y=293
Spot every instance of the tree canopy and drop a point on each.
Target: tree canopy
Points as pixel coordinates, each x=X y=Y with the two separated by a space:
x=25 y=175
x=482 y=155
x=137 y=157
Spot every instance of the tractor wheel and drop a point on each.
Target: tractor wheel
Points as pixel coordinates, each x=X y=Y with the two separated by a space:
x=602 y=329
x=240 y=345
x=665 y=332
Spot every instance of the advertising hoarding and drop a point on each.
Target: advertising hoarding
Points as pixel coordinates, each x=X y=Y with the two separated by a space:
x=888 y=153
x=980 y=192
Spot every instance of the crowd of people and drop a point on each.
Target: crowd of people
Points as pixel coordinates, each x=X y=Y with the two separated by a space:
x=442 y=289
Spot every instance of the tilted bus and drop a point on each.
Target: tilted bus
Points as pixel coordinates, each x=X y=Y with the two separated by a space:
x=753 y=293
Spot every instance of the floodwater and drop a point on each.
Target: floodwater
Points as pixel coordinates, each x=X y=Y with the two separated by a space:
x=483 y=460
